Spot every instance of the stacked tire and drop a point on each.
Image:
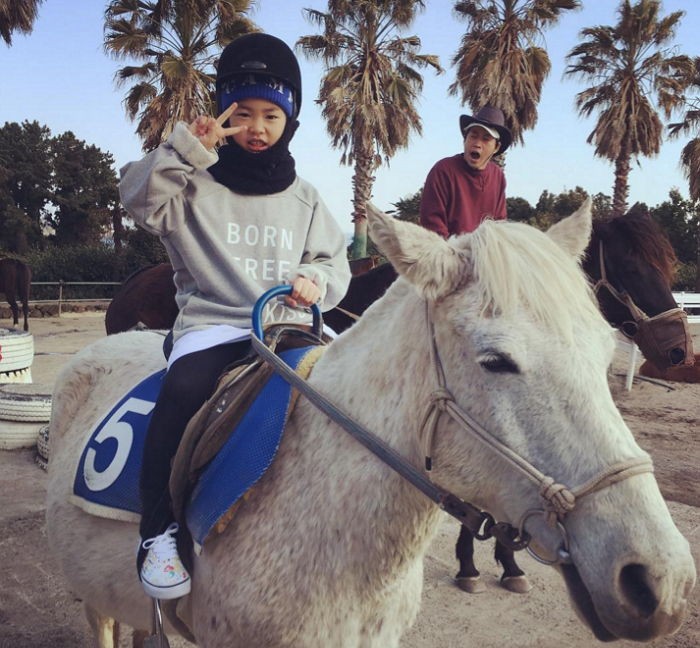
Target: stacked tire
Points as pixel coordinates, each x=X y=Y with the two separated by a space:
x=25 y=408
x=16 y=356
x=24 y=411
x=42 y=447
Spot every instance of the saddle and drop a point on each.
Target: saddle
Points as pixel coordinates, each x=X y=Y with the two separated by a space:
x=236 y=390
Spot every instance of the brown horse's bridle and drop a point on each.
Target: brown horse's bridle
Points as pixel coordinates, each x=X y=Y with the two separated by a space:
x=623 y=298
x=664 y=338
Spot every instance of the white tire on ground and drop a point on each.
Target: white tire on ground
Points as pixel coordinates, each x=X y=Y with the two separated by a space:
x=16 y=350
x=19 y=376
x=15 y=435
x=25 y=402
x=42 y=442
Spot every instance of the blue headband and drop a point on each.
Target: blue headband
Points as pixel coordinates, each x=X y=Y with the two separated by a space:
x=254 y=86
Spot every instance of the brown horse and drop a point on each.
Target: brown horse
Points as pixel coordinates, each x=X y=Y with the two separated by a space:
x=15 y=282
x=147 y=298
x=637 y=260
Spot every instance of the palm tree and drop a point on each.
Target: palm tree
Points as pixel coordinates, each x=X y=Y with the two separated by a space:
x=626 y=64
x=501 y=60
x=370 y=87
x=17 y=15
x=177 y=43
x=690 y=156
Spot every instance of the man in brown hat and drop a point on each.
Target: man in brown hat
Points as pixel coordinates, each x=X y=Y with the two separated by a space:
x=464 y=189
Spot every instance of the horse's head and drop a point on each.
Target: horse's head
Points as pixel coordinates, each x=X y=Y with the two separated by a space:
x=632 y=264
x=524 y=422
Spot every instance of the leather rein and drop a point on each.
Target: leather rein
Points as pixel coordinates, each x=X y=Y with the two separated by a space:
x=558 y=499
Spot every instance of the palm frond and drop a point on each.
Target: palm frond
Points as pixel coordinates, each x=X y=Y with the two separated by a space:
x=501 y=60
x=178 y=42
x=370 y=85
x=17 y=15
x=628 y=65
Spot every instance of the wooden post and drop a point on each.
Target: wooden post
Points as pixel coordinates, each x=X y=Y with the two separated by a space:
x=60 y=295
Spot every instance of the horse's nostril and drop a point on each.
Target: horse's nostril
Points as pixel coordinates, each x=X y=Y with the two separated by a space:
x=676 y=356
x=635 y=587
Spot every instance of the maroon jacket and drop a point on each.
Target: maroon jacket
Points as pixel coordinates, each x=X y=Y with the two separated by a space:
x=456 y=198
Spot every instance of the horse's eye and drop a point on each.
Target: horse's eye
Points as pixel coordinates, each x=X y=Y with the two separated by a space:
x=498 y=363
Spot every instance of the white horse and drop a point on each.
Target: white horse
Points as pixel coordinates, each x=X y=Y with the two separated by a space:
x=328 y=548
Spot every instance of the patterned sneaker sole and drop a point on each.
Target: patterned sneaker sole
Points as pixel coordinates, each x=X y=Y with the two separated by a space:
x=166 y=593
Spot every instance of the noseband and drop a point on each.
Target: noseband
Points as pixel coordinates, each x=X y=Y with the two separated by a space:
x=558 y=499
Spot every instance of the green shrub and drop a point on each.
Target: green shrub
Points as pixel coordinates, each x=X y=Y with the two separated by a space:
x=685 y=277
x=84 y=263
x=143 y=249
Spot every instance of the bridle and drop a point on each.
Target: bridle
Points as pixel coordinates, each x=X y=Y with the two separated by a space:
x=664 y=338
x=629 y=329
x=558 y=499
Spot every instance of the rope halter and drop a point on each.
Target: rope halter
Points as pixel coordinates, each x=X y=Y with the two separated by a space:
x=558 y=499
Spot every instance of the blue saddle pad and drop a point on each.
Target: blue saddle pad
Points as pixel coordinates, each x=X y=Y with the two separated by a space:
x=107 y=476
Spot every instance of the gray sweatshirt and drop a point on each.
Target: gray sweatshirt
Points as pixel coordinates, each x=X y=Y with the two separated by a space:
x=228 y=248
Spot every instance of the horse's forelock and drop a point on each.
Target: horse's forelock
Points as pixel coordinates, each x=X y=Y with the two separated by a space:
x=517 y=266
x=644 y=235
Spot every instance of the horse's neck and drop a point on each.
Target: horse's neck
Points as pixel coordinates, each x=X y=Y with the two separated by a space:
x=382 y=517
x=380 y=365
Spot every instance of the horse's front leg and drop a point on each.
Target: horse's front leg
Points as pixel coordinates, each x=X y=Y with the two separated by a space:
x=513 y=579
x=468 y=577
x=105 y=631
x=139 y=637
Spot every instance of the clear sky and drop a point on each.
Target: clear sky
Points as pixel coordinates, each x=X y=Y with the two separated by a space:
x=60 y=76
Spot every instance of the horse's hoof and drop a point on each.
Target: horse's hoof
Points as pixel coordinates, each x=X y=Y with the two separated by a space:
x=516 y=584
x=470 y=584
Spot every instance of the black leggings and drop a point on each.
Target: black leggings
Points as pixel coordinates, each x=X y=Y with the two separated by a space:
x=189 y=382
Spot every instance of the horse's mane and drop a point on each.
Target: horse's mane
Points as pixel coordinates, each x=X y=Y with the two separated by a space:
x=138 y=271
x=642 y=234
x=517 y=266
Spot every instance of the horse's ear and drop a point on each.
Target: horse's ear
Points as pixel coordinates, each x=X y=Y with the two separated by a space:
x=433 y=266
x=574 y=232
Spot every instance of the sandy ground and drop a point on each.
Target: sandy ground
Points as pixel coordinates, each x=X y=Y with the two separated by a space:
x=36 y=611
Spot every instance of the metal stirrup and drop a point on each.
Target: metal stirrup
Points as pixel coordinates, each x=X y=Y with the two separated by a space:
x=157 y=638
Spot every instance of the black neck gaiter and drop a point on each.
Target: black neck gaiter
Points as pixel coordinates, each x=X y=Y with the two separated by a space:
x=258 y=174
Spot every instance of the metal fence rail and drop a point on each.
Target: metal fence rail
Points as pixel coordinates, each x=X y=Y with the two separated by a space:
x=61 y=292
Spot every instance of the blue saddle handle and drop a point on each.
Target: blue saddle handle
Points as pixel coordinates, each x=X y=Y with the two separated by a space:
x=276 y=292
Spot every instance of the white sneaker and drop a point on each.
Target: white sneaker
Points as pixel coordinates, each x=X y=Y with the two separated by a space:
x=163 y=575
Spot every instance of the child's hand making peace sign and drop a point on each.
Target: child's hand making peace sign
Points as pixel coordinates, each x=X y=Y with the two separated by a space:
x=210 y=131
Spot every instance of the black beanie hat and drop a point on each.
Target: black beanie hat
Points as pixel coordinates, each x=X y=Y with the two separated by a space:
x=261 y=55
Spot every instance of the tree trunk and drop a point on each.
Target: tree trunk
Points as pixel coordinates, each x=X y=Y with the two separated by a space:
x=20 y=245
x=697 y=260
x=19 y=227
x=117 y=228
x=362 y=182
x=621 y=188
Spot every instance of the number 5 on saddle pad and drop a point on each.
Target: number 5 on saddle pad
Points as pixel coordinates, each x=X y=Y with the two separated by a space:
x=107 y=475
